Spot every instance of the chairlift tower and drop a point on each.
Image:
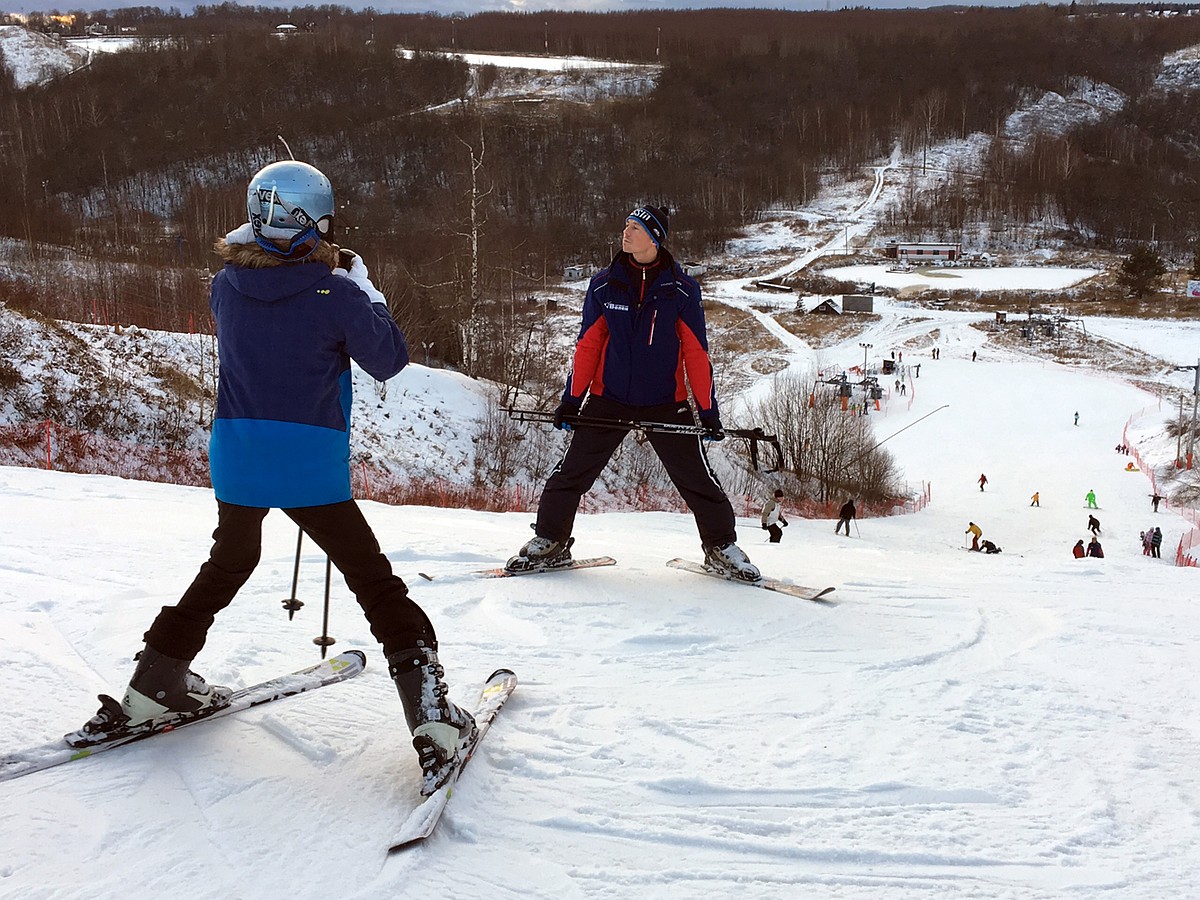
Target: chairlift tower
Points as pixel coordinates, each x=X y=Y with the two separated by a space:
x=1195 y=397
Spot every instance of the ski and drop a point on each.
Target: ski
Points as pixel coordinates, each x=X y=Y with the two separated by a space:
x=573 y=564
x=768 y=584
x=329 y=671
x=422 y=821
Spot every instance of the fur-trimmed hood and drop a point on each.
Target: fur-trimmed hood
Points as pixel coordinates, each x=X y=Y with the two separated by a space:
x=252 y=256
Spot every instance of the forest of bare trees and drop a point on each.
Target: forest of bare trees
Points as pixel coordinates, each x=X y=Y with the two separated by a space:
x=139 y=160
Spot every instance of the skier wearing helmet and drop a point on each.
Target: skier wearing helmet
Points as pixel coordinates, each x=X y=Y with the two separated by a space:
x=292 y=310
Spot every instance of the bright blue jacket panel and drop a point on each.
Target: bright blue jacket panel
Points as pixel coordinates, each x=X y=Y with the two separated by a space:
x=286 y=336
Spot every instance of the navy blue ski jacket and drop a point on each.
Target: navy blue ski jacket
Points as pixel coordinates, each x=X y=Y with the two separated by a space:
x=286 y=335
x=642 y=344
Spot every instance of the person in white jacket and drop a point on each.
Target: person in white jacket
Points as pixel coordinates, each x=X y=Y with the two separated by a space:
x=772 y=517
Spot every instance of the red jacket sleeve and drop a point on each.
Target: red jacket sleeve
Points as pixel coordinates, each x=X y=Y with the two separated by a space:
x=587 y=365
x=693 y=351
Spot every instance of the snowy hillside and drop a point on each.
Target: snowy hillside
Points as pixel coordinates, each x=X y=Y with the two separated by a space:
x=153 y=387
x=1056 y=114
x=35 y=57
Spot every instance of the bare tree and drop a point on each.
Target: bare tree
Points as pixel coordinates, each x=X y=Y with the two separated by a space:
x=827 y=451
x=471 y=325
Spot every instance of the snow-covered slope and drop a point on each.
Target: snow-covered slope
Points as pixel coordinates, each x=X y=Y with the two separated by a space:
x=1055 y=114
x=35 y=57
x=142 y=385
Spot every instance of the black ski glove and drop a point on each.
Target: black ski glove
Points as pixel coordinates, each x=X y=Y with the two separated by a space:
x=566 y=408
x=712 y=428
x=345 y=258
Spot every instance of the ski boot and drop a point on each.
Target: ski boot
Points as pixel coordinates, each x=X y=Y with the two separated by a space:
x=441 y=730
x=730 y=561
x=541 y=553
x=163 y=691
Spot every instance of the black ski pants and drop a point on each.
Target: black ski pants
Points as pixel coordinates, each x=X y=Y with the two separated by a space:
x=340 y=530
x=682 y=456
x=775 y=531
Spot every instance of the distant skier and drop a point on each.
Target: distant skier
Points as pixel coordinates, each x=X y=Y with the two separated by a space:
x=1156 y=543
x=772 y=517
x=976 y=533
x=973 y=355
x=1077 y=419
x=1093 y=525
x=1078 y=550
x=1094 y=549
x=1147 y=542
x=982 y=482
x=1034 y=500
x=989 y=547
x=1155 y=499
x=845 y=514
x=1091 y=500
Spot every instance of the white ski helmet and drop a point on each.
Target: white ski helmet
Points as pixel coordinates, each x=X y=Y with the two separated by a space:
x=290 y=201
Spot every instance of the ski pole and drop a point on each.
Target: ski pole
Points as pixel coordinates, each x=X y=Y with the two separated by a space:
x=291 y=604
x=856 y=531
x=753 y=435
x=323 y=640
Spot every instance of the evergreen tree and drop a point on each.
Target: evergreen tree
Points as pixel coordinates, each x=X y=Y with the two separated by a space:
x=1143 y=271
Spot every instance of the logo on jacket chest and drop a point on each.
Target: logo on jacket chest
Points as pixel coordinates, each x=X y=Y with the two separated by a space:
x=621 y=307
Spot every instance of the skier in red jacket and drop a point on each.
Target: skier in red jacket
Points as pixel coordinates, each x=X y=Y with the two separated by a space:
x=642 y=341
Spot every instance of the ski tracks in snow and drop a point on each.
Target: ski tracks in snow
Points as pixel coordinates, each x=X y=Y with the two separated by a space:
x=756 y=809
